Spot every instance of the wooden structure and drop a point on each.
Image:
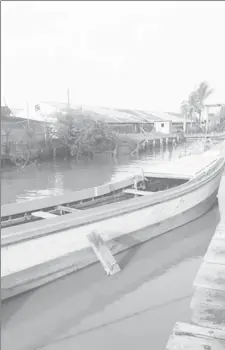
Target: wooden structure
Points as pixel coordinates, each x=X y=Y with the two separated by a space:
x=208 y=303
x=103 y=253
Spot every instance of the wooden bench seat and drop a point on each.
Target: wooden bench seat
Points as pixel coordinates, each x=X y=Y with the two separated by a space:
x=136 y=192
x=43 y=215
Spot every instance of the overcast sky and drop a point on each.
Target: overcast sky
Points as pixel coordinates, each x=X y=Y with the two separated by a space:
x=146 y=55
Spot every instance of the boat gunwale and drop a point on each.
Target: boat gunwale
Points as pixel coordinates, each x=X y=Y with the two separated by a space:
x=14 y=209
x=34 y=205
x=63 y=223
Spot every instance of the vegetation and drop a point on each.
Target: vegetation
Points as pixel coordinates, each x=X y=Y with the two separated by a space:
x=83 y=136
x=193 y=107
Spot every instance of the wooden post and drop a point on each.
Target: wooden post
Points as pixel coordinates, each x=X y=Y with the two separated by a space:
x=161 y=142
x=153 y=144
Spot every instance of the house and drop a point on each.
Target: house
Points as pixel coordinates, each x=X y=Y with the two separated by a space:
x=163 y=126
x=15 y=124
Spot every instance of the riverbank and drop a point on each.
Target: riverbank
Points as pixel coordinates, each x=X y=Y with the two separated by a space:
x=33 y=150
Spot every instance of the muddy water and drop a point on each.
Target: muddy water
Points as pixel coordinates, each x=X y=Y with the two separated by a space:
x=137 y=308
x=57 y=178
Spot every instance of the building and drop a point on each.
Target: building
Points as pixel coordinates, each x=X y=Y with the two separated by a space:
x=213 y=115
x=121 y=120
x=16 y=127
x=164 y=127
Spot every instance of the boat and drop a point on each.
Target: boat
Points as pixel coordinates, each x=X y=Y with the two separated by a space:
x=45 y=239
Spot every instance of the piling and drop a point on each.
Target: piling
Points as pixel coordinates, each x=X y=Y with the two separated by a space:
x=161 y=142
x=153 y=144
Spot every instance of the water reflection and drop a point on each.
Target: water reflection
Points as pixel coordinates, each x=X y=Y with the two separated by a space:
x=60 y=177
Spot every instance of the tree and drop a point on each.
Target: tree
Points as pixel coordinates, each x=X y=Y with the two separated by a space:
x=196 y=102
x=81 y=135
x=201 y=94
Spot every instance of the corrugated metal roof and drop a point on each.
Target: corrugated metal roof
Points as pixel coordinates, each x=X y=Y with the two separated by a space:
x=117 y=115
x=21 y=114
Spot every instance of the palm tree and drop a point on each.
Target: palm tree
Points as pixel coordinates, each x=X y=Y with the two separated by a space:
x=196 y=102
x=201 y=94
x=188 y=109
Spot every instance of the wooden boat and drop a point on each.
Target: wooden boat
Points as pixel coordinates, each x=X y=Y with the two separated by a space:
x=45 y=239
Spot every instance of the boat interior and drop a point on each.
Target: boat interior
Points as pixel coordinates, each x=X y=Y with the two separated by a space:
x=132 y=189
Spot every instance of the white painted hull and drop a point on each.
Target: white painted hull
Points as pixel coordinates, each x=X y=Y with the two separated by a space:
x=31 y=263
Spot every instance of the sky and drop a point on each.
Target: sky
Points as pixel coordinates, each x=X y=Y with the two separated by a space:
x=131 y=54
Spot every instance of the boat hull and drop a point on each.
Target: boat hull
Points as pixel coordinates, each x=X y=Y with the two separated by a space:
x=29 y=264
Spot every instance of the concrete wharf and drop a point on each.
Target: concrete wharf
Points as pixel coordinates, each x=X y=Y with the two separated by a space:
x=207 y=330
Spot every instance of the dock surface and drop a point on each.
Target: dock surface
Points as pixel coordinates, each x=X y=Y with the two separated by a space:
x=207 y=330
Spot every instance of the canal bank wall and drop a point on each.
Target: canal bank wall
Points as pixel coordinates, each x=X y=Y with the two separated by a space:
x=207 y=327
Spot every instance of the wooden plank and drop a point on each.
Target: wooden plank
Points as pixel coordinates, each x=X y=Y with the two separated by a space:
x=181 y=328
x=177 y=342
x=43 y=215
x=102 y=190
x=210 y=297
x=206 y=315
x=208 y=308
x=136 y=192
x=216 y=252
x=103 y=253
x=211 y=276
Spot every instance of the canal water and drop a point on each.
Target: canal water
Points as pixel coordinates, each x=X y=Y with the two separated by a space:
x=136 y=308
x=59 y=177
